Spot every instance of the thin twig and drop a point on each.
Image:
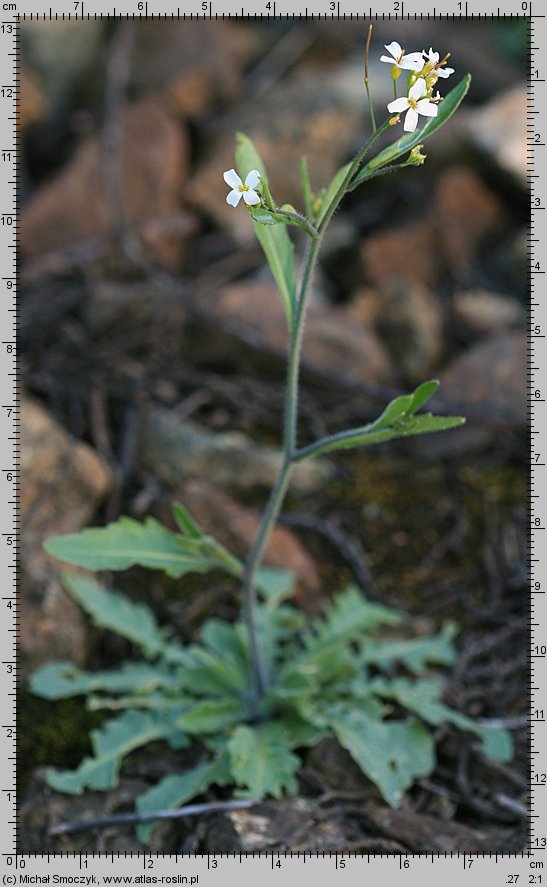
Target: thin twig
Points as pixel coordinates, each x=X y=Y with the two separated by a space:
x=65 y=828
x=118 y=70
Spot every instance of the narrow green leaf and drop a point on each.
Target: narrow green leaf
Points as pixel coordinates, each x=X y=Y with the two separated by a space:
x=415 y=654
x=327 y=656
x=127 y=542
x=347 y=617
x=306 y=187
x=274 y=239
x=395 y=410
x=176 y=789
x=212 y=716
x=332 y=189
x=209 y=674
x=156 y=701
x=391 y=753
x=225 y=640
x=113 y=740
x=424 y=699
x=264 y=217
x=115 y=611
x=275 y=585
x=261 y=761
x=405 y=144
x=60 y=680
x=404 y=426
x=185 y=521
x=422 y=394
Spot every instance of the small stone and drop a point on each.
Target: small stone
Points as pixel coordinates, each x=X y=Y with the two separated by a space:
x=63 y=482
x=426 y=834
x=335 y=342
x=174 y=450
x=408 y=318
x=288 y=824
x=499 y=130
x=236 y=527
x=486 y=384
x=482 y=312
x=73 y=206
x=466 y=211
x=196 y=65
x=401 y=254
x=33 y=105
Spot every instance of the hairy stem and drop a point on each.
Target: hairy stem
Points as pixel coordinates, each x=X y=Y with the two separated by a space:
x=277 y=496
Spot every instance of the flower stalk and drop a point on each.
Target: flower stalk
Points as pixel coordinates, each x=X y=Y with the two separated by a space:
x=422 y=71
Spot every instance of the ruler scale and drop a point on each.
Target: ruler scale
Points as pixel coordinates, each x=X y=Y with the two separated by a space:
x=427 y=868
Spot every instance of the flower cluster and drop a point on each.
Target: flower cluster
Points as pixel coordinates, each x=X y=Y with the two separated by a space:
x=424 y=70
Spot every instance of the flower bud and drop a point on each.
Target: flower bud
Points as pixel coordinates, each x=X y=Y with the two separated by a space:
x=416 y=158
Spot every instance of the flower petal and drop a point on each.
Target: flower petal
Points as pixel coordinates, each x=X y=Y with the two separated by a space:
x=395 y=49
x=234 y=197
x=390 y=61
x=398 y=105
x=416 y=92
x=414 y=61
x=232 y=179
x=251 y=198
x=253 y=179
x=427 y=108
x=445 y=72
x=411 y=120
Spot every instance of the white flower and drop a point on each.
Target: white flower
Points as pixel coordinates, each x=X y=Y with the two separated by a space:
x=414 y=104
x=240 y=189
x=433 y=59
x=414 y=61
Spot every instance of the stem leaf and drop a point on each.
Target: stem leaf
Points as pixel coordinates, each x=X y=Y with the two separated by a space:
x=273 y=238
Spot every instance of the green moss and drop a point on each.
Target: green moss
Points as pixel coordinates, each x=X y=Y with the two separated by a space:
x=52 y=734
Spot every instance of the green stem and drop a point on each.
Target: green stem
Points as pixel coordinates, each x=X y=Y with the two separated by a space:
x=277 y=496
x=296 y=219
x=370 y=107
x=352 y=170
x=279 y=490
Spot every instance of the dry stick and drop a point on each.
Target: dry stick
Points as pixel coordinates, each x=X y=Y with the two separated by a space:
x=118 y=69
x=65 y=828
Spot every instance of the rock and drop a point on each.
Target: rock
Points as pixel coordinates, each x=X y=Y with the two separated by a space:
x=427 y=834
x=73 y=206
x=195 y=65
x=40 y=809
x=408 y=318
x=63 y=481
x=33 y=105
x=465 y=211
x=335 y=343
x=297 y=118
x=401 y=254
x=489 y=379
x=289 y=824
x=236 y=527
x=337 y=769
x=143 y=304
x=175 y=450
x=498 y=129
x=66 y=54
x=481 y=312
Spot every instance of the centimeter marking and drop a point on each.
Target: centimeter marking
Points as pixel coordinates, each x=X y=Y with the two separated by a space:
x=10 y=406
x=10 y=396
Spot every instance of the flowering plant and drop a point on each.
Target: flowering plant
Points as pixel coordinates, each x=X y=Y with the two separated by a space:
x=256 y=692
